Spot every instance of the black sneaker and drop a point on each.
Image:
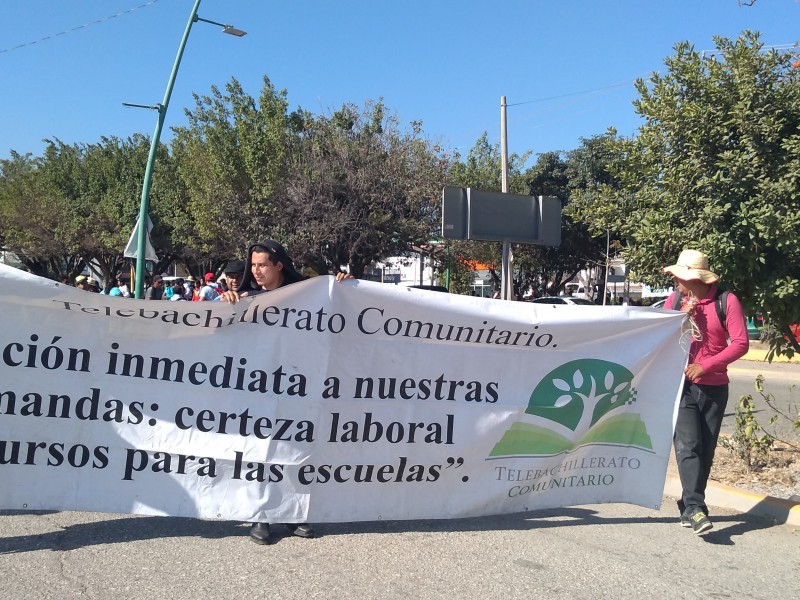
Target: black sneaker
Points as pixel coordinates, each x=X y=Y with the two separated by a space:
x=685 y=521
x=700 y=522
x=303 y=530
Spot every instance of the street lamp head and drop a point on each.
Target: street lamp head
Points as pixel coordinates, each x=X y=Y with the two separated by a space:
x=230 y=29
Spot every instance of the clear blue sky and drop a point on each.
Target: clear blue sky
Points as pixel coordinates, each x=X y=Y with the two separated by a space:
x=566 y=66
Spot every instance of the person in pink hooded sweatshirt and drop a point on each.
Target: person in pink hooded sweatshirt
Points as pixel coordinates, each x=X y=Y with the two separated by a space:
x=714 y=346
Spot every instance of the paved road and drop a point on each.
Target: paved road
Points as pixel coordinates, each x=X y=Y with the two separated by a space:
x=609 y=551
x=782 y=380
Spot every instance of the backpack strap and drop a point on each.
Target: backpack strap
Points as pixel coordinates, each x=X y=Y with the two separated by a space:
x=676 y=301
x=720 y=303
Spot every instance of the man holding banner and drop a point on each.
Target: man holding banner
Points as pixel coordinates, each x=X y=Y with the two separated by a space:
x=268 y=267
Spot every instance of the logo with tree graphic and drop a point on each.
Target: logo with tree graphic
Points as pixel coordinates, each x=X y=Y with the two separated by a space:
x=579 y=399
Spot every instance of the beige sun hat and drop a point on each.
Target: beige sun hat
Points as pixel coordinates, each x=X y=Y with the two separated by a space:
x=692 y=265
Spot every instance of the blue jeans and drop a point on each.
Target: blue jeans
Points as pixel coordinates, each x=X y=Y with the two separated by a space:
x=696 y=431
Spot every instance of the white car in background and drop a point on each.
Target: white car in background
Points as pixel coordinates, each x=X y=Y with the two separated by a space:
x=575 y=290
x=659 y=304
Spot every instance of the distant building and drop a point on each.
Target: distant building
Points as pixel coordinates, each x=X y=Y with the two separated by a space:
x=619 y=289
x=414 y=269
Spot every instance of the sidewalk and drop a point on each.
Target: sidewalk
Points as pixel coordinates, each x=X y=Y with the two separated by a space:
x=719 y=495
x=758 y=352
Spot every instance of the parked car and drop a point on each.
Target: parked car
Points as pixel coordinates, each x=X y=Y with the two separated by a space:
x=659 y=304
x=562 y=300
x=575 y=290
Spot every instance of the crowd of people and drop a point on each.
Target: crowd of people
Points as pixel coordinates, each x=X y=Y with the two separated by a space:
x=208 y=288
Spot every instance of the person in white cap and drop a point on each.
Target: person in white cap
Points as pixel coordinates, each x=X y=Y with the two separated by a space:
x=705 y=391
x=81 y=283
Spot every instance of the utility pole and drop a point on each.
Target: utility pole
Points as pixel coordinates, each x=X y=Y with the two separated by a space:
x=605 y=284
x=506 y=276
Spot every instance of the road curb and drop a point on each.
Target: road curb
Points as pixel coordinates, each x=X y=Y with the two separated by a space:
x=724 y=496
x=759 y=354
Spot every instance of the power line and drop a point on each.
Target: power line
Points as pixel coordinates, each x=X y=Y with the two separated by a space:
x=629 y=82
x=567 y=95
x=773 y=47
x=84 y=26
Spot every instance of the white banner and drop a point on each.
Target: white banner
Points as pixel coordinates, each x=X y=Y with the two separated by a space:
x=326 y=401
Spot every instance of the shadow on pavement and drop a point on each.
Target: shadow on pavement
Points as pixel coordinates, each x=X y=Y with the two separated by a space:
x=726 y=527
x=130 y=528
x=116 y=530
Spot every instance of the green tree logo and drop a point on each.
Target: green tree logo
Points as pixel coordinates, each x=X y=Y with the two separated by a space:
x=577 y=396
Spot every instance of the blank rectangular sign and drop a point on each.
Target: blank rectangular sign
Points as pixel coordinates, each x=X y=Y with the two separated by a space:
x=494 y=216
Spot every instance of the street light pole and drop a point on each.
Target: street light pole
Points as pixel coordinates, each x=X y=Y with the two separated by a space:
x=506 y=274
x=144 y=205
x=605 y=284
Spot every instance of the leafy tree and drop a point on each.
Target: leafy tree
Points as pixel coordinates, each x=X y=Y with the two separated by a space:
x=482 y=168
x=76 y=205
x=100 y=186
x=360 y=189
x=716 y=166
x=106 y=203
x=33 y=220
x=231 y=160
x=590 y=170
x=548 y=269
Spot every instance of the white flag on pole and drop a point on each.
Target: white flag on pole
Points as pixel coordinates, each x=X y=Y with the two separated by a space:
x=132 y=249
